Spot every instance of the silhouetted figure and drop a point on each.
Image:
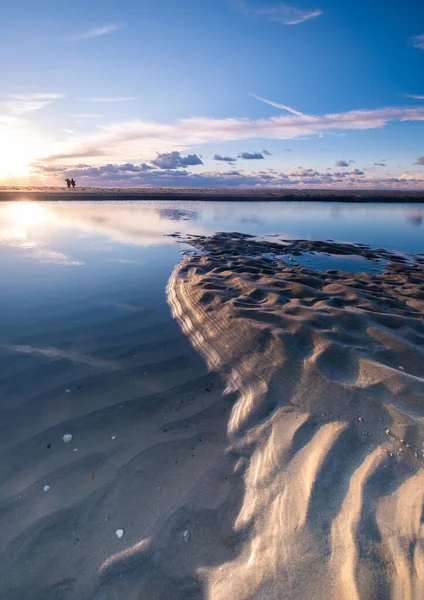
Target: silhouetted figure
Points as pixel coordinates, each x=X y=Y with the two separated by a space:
x=73 y=182
x=68 y=182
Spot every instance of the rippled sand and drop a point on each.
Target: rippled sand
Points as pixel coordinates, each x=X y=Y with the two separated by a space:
x=327 y=430
x=285 y=463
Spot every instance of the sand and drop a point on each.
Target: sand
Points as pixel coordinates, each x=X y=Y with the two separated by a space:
x=279 y=456
x=327 y=430
x=13 y=193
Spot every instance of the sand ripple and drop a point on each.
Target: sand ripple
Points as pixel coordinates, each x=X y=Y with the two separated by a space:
x=328 y=424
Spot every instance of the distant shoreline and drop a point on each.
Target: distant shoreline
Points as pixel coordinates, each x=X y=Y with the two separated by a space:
x=55 y=194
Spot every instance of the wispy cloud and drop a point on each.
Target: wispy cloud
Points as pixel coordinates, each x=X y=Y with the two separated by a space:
x=418 y=41
x=420 y=161
x=84 y=115
x=95 y=32
x=7 y=121
x=23 y=103
x=281 y=13
x=127 y=139
x=36 y=96
x=414 y=97
x=112 y=99
x=276 y=105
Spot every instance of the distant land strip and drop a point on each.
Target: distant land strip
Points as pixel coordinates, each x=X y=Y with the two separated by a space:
x=264 y=195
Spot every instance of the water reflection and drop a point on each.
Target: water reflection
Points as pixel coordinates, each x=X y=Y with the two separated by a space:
x=19 y=219
x=31 y=225
x=27 y=213
x=172 y=214
x=415 y=219
x=349 y=264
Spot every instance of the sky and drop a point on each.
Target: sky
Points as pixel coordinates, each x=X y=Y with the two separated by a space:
x=213 y=93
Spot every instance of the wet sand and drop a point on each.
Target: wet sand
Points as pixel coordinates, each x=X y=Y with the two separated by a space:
x=241 y=194
x=280 y=455
x=147 y=420
x=328 y=428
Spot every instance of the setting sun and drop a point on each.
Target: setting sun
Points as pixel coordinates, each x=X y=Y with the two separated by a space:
x=18 y=148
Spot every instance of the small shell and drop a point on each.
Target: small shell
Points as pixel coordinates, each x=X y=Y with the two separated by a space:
x=186 y=535
x=68 y=437
x=119 y=533
x=46 y=488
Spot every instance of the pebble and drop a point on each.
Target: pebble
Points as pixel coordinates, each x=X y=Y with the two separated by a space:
x=68 y=437
x=46 y=488
x=119 y=533
x=68 y=391
x=114 y=437
x=360 y=419
x=401 y=368
x=388 y=432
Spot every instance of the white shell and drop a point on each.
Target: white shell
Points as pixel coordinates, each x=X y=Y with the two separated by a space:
x=186 y=535
x=119 y=533
x=46 y=488
x=67 y=438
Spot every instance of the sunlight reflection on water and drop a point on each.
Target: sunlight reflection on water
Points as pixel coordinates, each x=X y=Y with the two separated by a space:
x=62 y=254
x=395 y=226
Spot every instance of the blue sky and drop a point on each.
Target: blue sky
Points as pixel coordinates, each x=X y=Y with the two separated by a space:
x=143 y=92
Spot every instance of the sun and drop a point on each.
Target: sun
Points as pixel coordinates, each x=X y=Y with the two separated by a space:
x=18 y=148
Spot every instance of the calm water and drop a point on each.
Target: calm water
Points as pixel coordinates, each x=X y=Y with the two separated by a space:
x=66 y=265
